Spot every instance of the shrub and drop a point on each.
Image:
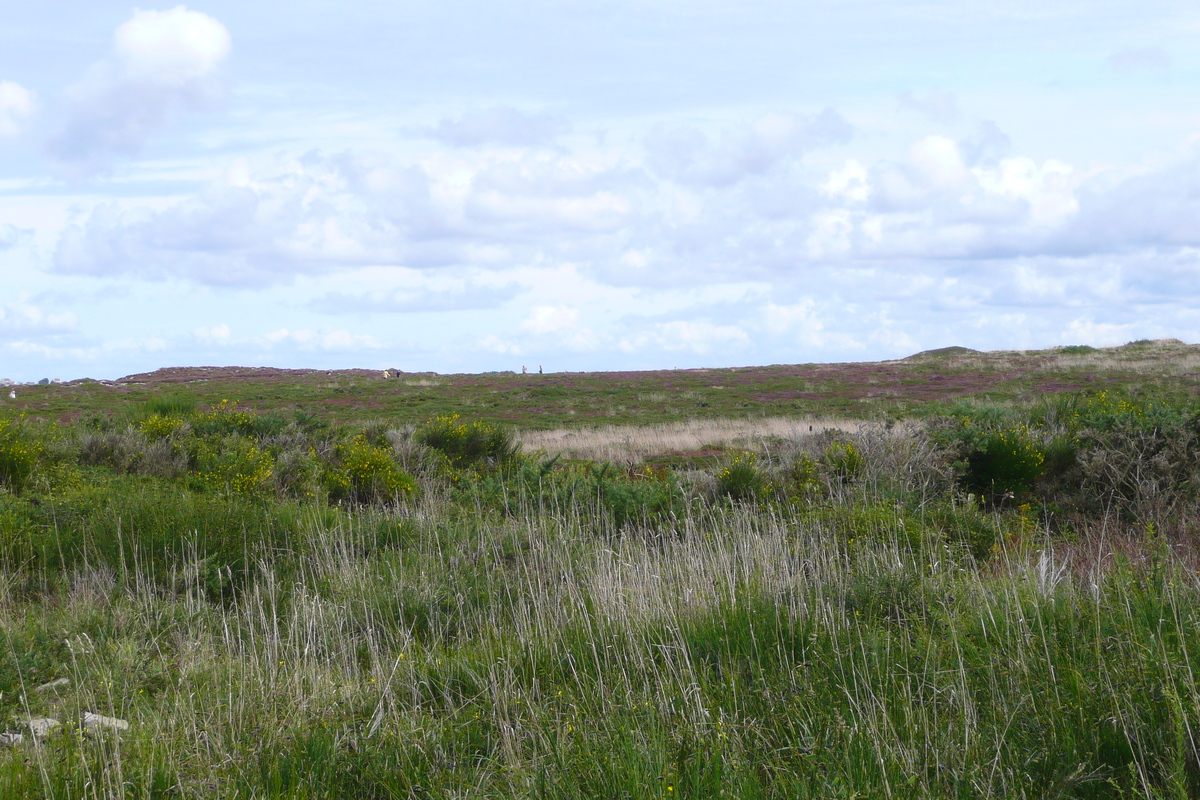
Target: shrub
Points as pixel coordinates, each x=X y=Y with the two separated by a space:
x=367 y=474
x=645 y=495
x=741 y=478
x=20 y=454
x=297 y=472
x=226 y=418
x=1003 y=462
x=157 y=426
x=844 y=461
x=469 y=444
x=235 y=464
x=802 y=478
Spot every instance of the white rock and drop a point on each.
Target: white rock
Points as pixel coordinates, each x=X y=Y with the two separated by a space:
x=56 y=684
x=96 y=722
x=40 y=727
x=11 y=739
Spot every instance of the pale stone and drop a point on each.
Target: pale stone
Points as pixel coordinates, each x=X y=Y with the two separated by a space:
x=11 y=739
x=40 y=727
x=55 y=684
x=96 y=722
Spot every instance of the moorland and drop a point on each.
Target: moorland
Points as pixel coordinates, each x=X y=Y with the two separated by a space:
x=960 y=574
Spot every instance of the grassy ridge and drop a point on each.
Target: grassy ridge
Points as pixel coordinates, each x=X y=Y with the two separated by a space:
x=892 y=389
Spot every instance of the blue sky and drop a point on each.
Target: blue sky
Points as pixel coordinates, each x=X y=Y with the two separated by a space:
x=463 y=186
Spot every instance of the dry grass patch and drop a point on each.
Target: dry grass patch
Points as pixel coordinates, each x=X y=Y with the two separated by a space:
x=633 y=443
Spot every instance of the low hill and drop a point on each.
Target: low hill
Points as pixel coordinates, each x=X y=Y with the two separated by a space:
x=898 y=388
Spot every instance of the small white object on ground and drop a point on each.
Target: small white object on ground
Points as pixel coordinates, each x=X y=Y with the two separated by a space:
x=40 y=727
x=95 y=722
x=55 y=684
x=11 y=739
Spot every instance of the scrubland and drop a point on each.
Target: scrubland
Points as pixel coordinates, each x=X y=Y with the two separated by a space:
x=991 y=600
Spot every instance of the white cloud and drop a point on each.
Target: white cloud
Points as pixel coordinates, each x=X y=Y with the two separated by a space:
x=171 y=47
x=326 y=339
x=218 y=334
x=548 y=319
x=162 y=62
x=685 y=336
x=1098 y=334
x=17 y=105
x=689 y=155
x=852 y=182
x=939 y=162
x=1048 y=188
x=26 y=317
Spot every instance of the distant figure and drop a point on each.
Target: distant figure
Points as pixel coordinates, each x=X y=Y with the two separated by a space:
x=12 y=395
x=539 y=369
x=523 y=370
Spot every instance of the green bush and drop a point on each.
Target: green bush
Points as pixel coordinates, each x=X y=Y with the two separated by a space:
x=234 y=464
x=21 y=454
x=1003 y=462
x=643 y=496
x=802 y=479
x=366 y=473
x=158 y=426
x=741 y=479
x=225 y=418
x=469 y=444
x=844 y=461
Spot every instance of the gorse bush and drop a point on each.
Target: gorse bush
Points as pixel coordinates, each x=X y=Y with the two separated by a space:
x=468 y=443
x=234 y=464
x=158 y=426
x=741 y=478
x=1003 y=462
x=367 y=473
x=21 y=454
x=843 y=460
x=225 y=418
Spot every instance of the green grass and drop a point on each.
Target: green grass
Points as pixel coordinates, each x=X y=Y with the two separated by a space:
x=836 y=615
x=892 y=389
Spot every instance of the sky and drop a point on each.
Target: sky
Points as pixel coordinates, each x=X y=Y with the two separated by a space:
x=460 y=186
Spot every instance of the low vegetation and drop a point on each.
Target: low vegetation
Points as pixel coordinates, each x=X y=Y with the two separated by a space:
x=995 y=600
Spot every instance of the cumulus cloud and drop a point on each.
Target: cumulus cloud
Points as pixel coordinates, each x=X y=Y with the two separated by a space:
x=266 y=224
x=501 y=125
x=27 y=317
x=691 y=156
x=162 y=62
x=217 y=334
x=625 y=223
x=550 y=319
x=17 y=105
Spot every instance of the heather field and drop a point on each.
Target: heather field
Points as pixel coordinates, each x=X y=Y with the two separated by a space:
x=957 y=575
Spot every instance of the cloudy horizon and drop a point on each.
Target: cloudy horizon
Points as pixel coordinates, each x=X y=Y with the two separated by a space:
x=460 y=187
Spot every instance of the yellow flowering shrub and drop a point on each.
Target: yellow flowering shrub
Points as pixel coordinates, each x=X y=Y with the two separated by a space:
x=367 y=473
x=20 y=455
x=159 y=426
